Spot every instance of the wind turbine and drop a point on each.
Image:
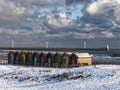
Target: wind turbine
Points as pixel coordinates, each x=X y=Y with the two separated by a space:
x=46 y=44
x=12 y=44
x=84 y=44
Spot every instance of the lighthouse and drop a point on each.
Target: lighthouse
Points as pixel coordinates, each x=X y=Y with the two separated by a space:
x=108 y=48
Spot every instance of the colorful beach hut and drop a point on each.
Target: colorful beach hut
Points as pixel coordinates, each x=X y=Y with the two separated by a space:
x=22 y=58
x=29 y=59
x=65 y=60
x=11 y=58
x=35 y=59
x=73 y=60
x=49 y=60
x=57 y=60
x=42 y=58
x=83 y=59
x=17 y=58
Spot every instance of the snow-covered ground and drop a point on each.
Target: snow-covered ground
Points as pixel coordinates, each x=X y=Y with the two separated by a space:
x=99 y=77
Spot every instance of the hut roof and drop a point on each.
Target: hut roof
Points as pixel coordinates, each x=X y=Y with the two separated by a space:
x=79 y=55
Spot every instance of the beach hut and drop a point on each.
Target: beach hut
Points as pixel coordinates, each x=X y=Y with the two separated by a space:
x=73 y=60
x=57 y=60
x=83 y=59
x=22 y=58
x=35 y=59
x=11 y=58
x=49 y=60
x=42 y=58
x=29 y=59
x=65 y=60
x=17 y=58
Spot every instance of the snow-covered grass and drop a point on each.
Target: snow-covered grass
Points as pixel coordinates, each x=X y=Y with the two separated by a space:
x=99 y=77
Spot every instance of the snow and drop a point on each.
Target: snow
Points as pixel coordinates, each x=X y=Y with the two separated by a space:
x=99 y=77
x=83 y=55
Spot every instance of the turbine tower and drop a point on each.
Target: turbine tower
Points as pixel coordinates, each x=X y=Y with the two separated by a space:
x=84 y=44
x=12 y=44
x=46 y=44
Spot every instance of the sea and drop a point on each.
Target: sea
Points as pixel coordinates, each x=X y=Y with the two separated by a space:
x=98 y=57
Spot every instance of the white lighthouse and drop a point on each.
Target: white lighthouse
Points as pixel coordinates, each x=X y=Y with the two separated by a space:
x=108 y=48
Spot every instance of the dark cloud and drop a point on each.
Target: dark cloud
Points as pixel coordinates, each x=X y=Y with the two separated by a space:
x=69 y=2
x=56 y=20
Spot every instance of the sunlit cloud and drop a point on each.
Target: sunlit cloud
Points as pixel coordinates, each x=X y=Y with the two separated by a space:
x=56 y=19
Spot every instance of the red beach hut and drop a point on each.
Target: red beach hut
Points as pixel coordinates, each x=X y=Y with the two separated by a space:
x=42 y=58
x=73 y=60
x=17 y=58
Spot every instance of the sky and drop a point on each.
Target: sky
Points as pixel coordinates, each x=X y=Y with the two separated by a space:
x=63 y=23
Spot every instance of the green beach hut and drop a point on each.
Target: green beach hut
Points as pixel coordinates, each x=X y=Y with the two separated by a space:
x=29 y=59
x=57 y=60
x=11 y=58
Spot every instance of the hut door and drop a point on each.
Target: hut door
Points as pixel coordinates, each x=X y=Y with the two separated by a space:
x=49 y=60
x=42 y=61
x=73 y=61
x=35 y=61
x=64 y=61
x=11 y=59
x=17 y=60
x=23 y=59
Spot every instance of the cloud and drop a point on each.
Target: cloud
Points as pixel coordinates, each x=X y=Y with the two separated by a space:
x=9 y=11
x=105 y=9
x=79 y=35
x=39 y=3
x=107 y=34
x=59 y=20
x=69 y=2
x=100 y=7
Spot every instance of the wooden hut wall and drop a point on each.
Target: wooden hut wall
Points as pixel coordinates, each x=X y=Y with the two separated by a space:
x=65 y=60
x=42 y=58
x=35 y=59
x=22 y=58
x=57 y=60
x=17 y=58
x=11 y=58
x=85 y=60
